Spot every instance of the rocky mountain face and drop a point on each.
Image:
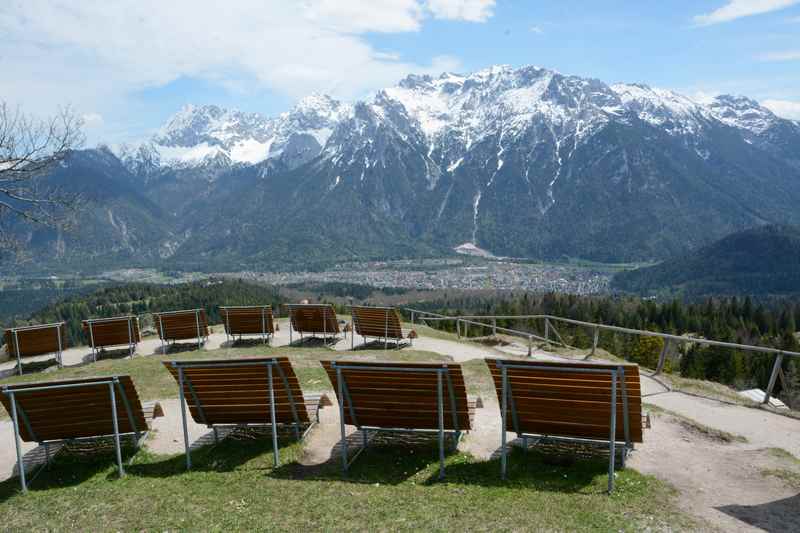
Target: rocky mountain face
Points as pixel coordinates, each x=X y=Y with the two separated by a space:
x=519 y=162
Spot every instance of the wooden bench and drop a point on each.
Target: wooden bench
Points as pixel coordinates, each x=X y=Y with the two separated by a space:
x=249 y=320
x=117 y=331
x=378 y=322
x=587 y=403
x=30 y=341
x=243 y=392
x=79 y=409
x=181 y=325
x=313 y=319
x=400 y=397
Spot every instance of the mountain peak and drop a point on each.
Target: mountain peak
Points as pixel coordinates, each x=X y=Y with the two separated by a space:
x=742 y=112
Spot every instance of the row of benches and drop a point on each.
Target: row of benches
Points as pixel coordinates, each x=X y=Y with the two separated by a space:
x=597 y=404
x=376 y=322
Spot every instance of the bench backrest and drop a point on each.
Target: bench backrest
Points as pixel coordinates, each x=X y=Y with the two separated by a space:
x=236 y=391
x=550 y=398
x=55 y=412
x=102 y=332
x=247 y=320
x=400 y=395
x=313 y=318
x=377 y=322
x=177 y=325
x=36 y=340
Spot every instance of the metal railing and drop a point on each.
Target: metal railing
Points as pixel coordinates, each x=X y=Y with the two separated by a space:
x=669 y=339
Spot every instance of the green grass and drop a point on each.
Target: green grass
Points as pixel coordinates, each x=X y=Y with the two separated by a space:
x=789 y=477
x=788 y=472
x=782 y=454
x=234 y=486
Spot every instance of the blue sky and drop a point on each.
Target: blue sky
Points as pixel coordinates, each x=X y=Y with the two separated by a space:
x=128 y=65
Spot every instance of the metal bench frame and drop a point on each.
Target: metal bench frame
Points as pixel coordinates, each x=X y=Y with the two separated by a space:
x=385 y=337
x=617 y=375
x=18 y=413
x=131 y=342
x=342 y=394
x=325 y=308
x=270 y=364
x=266 y=336
x=58 y=354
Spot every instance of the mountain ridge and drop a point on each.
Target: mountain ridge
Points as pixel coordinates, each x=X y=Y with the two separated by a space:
x=762 y=260
x=521 y=162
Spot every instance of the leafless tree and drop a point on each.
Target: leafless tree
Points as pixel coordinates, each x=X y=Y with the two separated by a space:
x=30 y=148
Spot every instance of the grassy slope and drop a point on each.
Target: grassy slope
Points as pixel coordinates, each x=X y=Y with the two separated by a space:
x=234 y=486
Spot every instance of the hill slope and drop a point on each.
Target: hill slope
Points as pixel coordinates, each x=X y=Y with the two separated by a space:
x=763 y=260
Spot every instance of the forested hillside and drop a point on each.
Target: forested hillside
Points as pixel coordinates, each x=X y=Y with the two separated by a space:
x=771 y=322
x=763 y=260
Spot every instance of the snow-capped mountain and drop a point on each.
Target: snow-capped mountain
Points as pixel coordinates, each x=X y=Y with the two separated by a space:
x=521 y=162
x=209 y=135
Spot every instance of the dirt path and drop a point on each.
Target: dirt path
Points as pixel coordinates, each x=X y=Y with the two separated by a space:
x=720 y=482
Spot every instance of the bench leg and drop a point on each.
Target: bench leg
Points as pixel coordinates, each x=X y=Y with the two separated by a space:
x=20 y=461
x=440 y=395
x=503 y=417
x=183 y=419
x=340 y=392
x=117 y=445
x=272 y=416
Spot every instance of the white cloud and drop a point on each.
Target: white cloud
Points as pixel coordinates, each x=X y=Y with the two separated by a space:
x=783 y=108
x=469 y=10
x=735 y=9
x=538 y=30
x=363 y=16
x=92 y=120
x=96 y=54
x=786 y=55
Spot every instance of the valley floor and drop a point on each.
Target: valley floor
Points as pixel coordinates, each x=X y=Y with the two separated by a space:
x=733 y=467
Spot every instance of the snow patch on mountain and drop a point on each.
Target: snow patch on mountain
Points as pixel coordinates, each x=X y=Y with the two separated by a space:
x=743 y=113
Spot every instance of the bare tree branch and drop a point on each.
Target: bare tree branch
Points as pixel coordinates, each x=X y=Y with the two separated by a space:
x=29 y=150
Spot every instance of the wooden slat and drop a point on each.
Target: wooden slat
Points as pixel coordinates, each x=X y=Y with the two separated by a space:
x=401 y=399
x=377 y=322
x=38 y=340
x=240 y=394
x=181 y=325
x=55 y=414
x=112 y=331
x=314 y=319
x=248 y=320
x=569 y=404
